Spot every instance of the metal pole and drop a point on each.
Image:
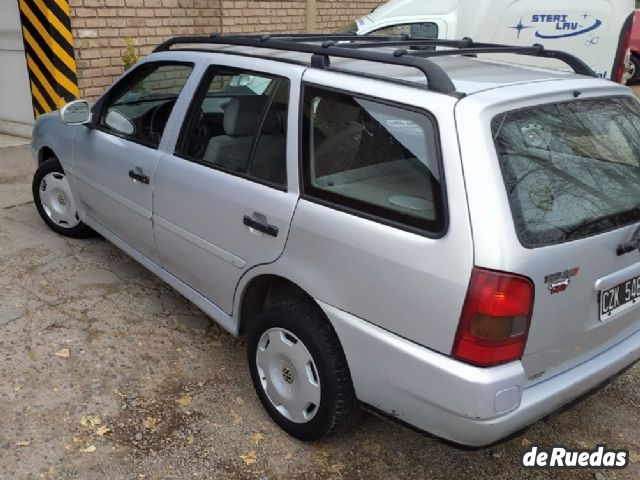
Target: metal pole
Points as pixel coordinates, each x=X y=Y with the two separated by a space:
x=311 y=12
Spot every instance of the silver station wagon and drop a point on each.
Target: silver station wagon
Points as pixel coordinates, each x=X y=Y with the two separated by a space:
x=391 y=222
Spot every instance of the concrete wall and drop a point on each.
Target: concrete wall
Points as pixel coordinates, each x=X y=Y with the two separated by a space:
x=16 y=111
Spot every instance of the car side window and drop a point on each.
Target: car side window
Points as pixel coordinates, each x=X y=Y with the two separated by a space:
x=421 y=29
x=373 y=159
x=139 y=107
x=237 y=123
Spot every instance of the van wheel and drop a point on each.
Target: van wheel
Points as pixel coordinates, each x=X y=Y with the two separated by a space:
x=54 y=201
x=300 y=372
x=635 y=70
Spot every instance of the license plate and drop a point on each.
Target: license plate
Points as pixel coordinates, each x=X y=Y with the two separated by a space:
x=621 y=297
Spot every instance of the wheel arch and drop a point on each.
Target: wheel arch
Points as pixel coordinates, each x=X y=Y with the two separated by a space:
x=45 y=153
x=635 y=62
x=264 y=290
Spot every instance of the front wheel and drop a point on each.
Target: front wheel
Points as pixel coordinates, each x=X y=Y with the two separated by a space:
x=300 y=372
x=54 y=201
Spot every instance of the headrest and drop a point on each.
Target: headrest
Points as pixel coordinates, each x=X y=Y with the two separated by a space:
x=333 y=116
x=242 y=116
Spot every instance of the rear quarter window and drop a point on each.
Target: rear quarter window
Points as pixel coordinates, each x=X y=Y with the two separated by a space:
x=373 y=159
x=571 y=170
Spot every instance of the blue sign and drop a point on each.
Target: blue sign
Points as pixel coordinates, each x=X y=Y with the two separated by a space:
x=556 y=26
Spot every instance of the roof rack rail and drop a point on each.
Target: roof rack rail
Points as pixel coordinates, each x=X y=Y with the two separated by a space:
x=411 y=52
x=437 y=79
x=536 y=50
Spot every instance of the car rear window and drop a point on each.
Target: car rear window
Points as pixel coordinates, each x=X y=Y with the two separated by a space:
x=572 y=170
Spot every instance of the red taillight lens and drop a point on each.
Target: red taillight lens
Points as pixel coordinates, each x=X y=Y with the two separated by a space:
x=495 y=318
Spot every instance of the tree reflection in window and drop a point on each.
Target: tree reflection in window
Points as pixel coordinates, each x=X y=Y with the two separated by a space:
x=571 y=169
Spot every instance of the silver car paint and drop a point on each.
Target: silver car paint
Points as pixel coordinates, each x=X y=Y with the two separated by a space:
x=370 y=288
x=465 y=404
x=49 y=132
x=210 y=248
x=565 y=329
x=208 y=307
x=107 y=194
x=403 y=282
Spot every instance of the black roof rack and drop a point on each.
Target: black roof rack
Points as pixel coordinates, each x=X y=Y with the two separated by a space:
x=412 y=52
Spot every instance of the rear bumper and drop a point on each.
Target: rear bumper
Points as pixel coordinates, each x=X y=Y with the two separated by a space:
x=459 y=402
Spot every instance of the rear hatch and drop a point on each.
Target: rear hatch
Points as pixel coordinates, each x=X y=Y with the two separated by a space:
x=572 y=174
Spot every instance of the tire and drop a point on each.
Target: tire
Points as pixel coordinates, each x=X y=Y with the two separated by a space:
x=54 y=201
x=635 y=78
x=295 y=327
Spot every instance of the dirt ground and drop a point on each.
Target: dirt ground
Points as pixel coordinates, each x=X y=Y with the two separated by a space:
x=107 y=373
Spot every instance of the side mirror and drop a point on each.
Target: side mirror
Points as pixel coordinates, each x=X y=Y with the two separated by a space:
x=242 y=80
x=77 y=112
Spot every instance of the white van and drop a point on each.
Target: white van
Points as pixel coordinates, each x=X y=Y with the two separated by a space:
x=597 y=31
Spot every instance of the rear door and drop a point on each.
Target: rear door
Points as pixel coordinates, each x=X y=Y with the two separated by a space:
x=225 y=198
x=571 y=169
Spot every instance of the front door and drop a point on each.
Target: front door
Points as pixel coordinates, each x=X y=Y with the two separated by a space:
x=115 y=162
x=222 y=202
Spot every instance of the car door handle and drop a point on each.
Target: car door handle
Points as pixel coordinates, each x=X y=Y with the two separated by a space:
x=259 y=222
x=138 y=175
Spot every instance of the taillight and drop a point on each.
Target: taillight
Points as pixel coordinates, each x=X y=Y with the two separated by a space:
x=495 y=318
x=624 y=48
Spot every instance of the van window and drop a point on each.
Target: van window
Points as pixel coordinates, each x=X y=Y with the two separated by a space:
x=572 y=169
x=374 y=159
x=421 y=29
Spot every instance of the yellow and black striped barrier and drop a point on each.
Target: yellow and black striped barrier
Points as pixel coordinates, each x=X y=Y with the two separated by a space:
x=48 y=44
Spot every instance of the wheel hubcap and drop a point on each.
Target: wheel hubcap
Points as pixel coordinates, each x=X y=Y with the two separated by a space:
x=288 y=375
x=57 y=201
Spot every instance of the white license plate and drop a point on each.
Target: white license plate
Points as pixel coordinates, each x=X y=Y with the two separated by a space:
x=619 y=298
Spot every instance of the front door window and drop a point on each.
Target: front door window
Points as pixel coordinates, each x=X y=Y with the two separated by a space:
x=139 y=107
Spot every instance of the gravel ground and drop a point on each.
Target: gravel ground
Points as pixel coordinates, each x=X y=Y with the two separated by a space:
x=107 y=373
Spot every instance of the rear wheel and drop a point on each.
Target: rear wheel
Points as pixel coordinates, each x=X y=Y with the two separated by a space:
x=635 y=70
x=300 y=372
x=54 y=201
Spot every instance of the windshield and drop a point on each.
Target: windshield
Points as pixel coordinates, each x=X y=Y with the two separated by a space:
x=416 y=30
x=572 y=169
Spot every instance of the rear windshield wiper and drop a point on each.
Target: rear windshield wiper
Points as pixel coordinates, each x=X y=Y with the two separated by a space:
x=595 y=226
x=631 y=245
